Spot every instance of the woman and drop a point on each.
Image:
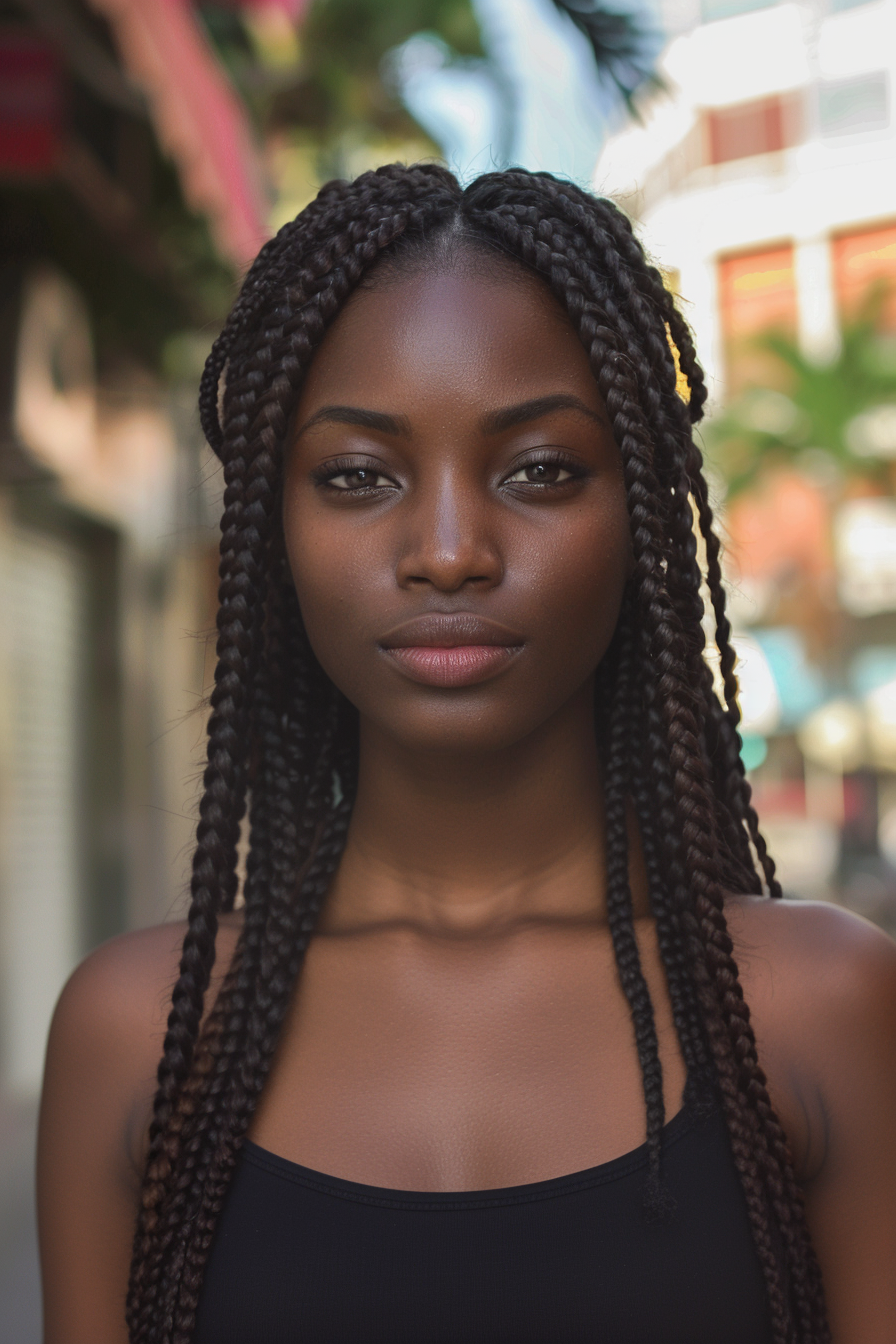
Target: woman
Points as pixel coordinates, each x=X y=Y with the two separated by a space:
x=473 y=1060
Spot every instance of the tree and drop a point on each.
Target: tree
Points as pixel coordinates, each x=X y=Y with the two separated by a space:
x=839 y=414
x=337 y=98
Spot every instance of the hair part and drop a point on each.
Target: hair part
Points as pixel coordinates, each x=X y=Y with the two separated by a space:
x=280 y=733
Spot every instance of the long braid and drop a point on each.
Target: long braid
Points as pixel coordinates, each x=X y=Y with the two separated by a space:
x=670 y=745
x=667 y=884
x=740 y=1075
x=735 y=785
x=620 y=915
x=213 y=885
x=292 y=913
x=727 y=1029
x=273 y=794
x=750 y=1116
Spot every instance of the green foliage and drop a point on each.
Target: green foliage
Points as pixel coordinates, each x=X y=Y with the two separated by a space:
x=132 y=311
x=625 y=49
x=839 y=415
x=335 y=88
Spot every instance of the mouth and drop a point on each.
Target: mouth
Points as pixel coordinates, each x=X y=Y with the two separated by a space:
x=451 y=650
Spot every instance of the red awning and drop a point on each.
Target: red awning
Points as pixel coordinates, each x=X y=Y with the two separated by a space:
x=198 y=117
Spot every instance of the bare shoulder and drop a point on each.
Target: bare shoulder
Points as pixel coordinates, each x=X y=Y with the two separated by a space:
x=123 y=982
x=102 y=1056
x=821 y=986
x=122 y=990
x=813 y=953
x=109 y=1025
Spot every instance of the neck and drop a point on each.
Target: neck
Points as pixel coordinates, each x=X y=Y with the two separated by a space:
x=465 y=843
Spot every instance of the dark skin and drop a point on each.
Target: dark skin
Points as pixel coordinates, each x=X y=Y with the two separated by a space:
x=458 y=1023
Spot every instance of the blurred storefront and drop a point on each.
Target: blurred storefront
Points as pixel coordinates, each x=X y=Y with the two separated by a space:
x=130 y=195
x=130 y=199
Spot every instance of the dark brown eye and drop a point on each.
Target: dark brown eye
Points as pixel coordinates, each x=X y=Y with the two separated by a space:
x=540 y=473
x=358 y=478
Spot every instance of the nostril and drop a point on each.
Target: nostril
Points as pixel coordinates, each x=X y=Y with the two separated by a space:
x=443 y=582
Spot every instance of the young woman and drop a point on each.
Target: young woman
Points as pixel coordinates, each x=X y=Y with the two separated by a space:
x=470 y=1058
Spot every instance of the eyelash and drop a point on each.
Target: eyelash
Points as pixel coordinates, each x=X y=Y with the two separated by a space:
x=344 y=466
x=547 y=457
x=328 y=472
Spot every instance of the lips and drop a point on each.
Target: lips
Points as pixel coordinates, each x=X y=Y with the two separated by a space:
x=457 y=649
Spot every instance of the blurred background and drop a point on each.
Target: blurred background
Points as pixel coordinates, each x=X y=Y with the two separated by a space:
x=147 y=149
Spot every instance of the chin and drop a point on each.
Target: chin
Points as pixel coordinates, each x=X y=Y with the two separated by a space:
x=461 y=727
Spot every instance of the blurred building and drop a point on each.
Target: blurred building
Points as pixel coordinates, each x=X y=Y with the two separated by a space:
x=764 y=184
x=130 y=197
x=767 y=180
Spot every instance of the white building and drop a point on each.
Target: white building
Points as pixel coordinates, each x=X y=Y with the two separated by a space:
x=764 y=180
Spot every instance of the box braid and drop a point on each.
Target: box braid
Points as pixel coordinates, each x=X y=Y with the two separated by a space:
x=283 y=737
x=620 y=915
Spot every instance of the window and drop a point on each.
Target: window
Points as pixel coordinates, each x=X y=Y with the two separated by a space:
x=759 y=127
x=861 y=261
x=31 y=98
x=846 y=106
x=757 y=293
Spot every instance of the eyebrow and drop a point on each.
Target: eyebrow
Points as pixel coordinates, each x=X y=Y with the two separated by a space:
x=494 y=422
x=360 y=416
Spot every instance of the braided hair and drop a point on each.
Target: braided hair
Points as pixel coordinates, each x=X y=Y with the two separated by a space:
x=284 y=738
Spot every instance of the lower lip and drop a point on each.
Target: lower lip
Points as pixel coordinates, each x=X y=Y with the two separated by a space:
x=464 y=665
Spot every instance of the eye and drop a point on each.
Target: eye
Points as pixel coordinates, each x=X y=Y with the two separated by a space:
x=359 y=478
x=540 y=473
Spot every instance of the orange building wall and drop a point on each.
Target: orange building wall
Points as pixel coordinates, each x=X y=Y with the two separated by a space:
x=860 y=260
x=757 y=292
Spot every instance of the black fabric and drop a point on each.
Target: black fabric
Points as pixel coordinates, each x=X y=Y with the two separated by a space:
x=299 y=1256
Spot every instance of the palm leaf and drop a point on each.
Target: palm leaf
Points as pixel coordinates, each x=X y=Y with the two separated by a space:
x=625 y=48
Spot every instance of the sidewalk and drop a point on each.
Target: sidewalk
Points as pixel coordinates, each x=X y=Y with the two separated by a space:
x=19 y=1279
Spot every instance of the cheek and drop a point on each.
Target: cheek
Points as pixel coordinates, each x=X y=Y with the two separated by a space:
x=338 y=586
x=577 y=577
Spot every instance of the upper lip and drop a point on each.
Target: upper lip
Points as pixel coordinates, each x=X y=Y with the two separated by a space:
x=439 y=630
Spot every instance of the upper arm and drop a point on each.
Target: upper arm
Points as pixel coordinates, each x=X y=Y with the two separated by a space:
x=822 y=987
x=851 y=1202
x=104 y=1045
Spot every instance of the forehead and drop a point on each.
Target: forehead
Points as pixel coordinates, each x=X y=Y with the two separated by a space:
x=480 y=331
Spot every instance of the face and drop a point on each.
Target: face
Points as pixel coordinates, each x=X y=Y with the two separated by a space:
x=454 y=508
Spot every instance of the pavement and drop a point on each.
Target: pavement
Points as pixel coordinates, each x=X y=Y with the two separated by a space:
x=20 y=1316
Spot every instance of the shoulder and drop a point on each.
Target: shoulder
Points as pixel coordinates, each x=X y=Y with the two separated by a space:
x=102 y=1056
x=814 y=952
x=109 y=1025
x=821 y=986
x=127 y=978
x=125 y=984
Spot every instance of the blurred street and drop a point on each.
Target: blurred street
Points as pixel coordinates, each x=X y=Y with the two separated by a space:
x=19 y=1275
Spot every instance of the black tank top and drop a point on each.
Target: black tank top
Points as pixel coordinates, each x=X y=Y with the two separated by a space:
x=303 y=1258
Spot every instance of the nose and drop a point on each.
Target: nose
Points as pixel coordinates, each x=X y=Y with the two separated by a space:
x=450 y=541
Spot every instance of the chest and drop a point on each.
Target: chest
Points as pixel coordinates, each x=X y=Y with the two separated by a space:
x=460 y=1066
x=569 y=1262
